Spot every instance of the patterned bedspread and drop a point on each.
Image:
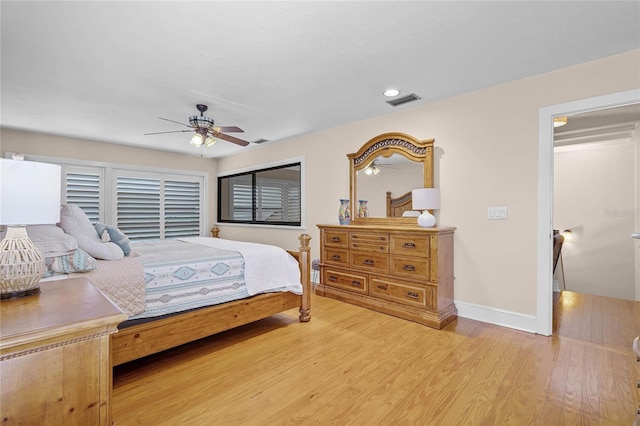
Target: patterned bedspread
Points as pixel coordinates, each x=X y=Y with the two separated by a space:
x=181 y=276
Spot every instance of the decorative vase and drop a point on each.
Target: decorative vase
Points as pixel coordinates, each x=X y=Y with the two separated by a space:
x=344 y=217
x=363 y=211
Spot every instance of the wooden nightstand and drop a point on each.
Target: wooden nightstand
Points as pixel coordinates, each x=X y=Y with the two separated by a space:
x=55 y=365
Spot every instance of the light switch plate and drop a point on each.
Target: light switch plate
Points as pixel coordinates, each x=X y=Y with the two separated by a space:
x=497 y=213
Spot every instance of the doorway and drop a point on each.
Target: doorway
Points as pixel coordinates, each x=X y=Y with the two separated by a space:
x=544 y=311
x=594 y=197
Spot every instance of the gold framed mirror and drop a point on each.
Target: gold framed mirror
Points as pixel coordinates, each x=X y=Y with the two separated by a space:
x=383 y=172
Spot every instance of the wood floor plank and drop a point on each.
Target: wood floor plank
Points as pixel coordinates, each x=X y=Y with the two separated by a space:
x=352 y=366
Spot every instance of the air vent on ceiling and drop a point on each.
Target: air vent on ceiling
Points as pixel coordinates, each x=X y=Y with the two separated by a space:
x=403 y=100
x=259 y=141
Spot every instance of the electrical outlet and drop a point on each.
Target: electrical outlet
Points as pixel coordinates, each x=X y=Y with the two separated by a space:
x=497 y=213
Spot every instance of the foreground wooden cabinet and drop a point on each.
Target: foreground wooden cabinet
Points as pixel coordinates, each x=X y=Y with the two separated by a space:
x=55 y=364
x=401 y=270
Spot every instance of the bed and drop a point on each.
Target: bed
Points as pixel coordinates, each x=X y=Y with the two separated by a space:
x=140 y=337
x=204 y=286
x=399 y=206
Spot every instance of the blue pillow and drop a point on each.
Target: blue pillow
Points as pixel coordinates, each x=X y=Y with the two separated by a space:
x=114 y=235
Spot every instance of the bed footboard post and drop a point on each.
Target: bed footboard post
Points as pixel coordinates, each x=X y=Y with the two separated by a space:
x=305 y=273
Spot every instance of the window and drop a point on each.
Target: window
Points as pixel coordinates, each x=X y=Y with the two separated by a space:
x=83 y=187
x=138 y=207
x=270 y=196
x=151 y=206
x=146 y=204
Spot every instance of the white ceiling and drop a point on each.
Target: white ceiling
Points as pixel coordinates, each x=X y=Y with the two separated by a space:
x=106 y=70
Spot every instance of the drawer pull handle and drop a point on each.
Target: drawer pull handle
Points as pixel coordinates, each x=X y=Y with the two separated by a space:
x=333 y=278
x=412 y=295
x=409 y=268
x=638 y=384
x=409 y=245
x=335 y=239
x=335 y=257
x=369 y=262
x=356 y=283
x=382 y=287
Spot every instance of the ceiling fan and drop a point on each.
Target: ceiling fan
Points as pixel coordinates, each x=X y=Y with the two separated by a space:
x=374 y=168
x=206 y=132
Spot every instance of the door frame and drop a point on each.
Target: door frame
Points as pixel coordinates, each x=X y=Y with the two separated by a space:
x=544 y=309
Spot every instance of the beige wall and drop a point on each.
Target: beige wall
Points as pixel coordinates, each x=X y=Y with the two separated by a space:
x=636 y=243
x=594 y=197
x=486 y=155
x=63 y=147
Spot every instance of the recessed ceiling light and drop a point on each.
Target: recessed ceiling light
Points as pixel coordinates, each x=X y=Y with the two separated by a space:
x=391 y=92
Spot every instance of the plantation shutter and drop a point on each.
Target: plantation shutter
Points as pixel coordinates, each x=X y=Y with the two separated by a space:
x=293 y=203
x=181 y=209
x=138 y=208
x=270 y=201
x=242 y=199
x=83 y=188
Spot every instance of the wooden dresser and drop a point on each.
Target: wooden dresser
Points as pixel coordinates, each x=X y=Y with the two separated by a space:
x=401 y=270
x=55 y=364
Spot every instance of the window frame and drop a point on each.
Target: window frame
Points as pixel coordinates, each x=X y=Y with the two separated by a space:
x=297 y=161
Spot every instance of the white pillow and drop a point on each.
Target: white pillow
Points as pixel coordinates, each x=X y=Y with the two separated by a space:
x=76 y=223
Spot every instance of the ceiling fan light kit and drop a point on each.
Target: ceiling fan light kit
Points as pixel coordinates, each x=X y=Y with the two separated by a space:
x=202 y=138
x=205 y=132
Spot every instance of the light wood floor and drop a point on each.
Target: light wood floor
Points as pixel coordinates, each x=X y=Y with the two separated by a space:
x=352 y=366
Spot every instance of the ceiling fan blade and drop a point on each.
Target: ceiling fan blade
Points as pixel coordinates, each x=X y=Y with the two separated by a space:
x=229 y=138
x=228 y=129
x=173 y=131
x=173 y=121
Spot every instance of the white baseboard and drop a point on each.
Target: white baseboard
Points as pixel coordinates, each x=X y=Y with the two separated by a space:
x=497 y=316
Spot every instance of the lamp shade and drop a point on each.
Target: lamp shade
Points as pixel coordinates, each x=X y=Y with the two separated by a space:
x=425 y=198
x=29 y=193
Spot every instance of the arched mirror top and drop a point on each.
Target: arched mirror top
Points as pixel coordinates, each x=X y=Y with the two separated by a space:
x=387 y=144
x=397 y=152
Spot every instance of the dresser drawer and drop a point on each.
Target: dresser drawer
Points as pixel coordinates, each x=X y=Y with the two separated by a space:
x=404 y=293
x=336 y=239
x=410 y=267
x=410 y=245
x=369 y=241
x=336 y=256
x=370 y=262
x=346 y=281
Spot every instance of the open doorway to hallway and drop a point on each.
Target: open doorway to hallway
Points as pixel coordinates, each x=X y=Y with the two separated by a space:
x=544 y=258
x=596 y=202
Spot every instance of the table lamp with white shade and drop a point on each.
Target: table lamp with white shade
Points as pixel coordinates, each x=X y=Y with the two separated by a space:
x=425 y=199
x=29 y=195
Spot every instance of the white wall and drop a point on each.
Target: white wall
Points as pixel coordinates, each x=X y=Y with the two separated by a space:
x=594 y=195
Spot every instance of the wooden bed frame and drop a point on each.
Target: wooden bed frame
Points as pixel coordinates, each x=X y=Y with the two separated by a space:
x=137 y=341
x=397 y=206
